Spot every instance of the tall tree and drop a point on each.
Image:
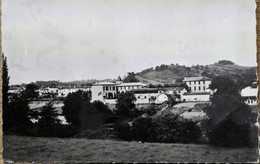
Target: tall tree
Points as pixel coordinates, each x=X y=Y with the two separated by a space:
x=125 y=105
x=74 y=105
x=30 y=91
x=5 y=82
x=48 y=120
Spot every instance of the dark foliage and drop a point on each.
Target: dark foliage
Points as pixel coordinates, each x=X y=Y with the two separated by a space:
x=74 y=105
x=165 y=128
x=170 y=128
x=48 y=118
x=19 y=115
x=30 y=92
x=5 y=83
x=236 y=130
x=125 y=105
x=226 y=62
x=130 y=78
x=230 y=121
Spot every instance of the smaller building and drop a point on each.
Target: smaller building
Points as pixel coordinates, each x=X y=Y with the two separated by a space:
x=249 y=94
x=124 y=87
x=150 y=96
x=195 y=97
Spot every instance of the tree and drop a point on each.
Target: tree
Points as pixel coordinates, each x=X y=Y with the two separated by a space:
x=30 y=91
x=100 y=107
x=5 y=82
x=20 y=114
x=5 y=87
x=225 y=102
x=48 y=119
x=74 y=105
x=130 y=78
x=125 y=104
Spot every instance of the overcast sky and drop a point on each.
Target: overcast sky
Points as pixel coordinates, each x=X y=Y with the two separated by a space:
x=95 y=39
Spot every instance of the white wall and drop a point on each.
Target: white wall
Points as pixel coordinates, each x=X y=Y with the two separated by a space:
x=97 y=93
x=205 y=97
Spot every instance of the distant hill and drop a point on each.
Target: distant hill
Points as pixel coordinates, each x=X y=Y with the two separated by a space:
x=175 y=72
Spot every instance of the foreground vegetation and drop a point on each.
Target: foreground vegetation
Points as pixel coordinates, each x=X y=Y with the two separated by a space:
x=36 y=149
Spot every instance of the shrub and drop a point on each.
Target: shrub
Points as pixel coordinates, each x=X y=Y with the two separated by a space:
x=170 y=128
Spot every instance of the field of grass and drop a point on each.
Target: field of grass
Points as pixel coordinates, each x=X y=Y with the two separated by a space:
x=34 y=149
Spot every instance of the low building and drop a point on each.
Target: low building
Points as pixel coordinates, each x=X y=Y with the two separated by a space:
x=195 y=97
x=249 y=95
x=149 y=96
x=124 y=87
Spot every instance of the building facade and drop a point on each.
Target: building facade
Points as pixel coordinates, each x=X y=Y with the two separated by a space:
x=197 y=84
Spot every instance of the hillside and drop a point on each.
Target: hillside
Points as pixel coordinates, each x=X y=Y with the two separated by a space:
x=173 y=72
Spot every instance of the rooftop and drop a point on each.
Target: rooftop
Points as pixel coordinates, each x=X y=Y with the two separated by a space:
x=197 y=93
x=131 y=84
x=202 y=78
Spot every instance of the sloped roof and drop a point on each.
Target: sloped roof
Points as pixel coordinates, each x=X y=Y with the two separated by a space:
x=105 y=83
x=202 y=78
x=132 y=84
x=249 y=92
x=197 y=93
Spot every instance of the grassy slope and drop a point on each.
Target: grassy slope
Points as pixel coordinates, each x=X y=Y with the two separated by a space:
x=28 y=149
x=156 y=77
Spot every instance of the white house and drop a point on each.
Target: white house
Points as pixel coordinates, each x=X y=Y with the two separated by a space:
x=197 y=84
x=149 y=95
x=249 y=95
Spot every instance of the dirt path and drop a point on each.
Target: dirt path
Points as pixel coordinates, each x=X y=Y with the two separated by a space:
x=33 y=149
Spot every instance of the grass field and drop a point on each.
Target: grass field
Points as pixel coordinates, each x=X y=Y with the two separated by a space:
x=34 y=149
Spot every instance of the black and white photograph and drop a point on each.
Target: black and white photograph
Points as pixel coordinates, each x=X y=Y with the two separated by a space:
x=129 y=81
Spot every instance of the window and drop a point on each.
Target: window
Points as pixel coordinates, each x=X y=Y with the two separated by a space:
x=190 y=82
x=114 y=88
x=138 y=97
x=144 y=97
x=107 y=88
x=204 y=88
x=203 y=82
x=199 y=88
x=199 y=82
x=194 y=88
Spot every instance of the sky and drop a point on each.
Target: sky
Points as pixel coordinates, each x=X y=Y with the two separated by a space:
x=97 y=39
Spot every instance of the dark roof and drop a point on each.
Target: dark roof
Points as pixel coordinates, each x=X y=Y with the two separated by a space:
x=197 y=93
x=202 y=78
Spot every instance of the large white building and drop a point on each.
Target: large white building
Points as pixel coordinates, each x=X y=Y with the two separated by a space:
x=249 y=95
x=104 y=91
x=199 y=89
x=197 y=84
x=107 y=92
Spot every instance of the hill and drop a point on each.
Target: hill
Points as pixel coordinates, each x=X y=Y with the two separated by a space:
x=175 y=72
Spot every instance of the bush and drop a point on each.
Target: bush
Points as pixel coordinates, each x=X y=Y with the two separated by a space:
x=122 y=127
x=236 y=130
x=166 y=128
x=170 y=128
x=142 y=129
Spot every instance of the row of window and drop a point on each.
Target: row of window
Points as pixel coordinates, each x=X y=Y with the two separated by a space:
x=199 y=88
x=113 y=88
x=199 y=82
